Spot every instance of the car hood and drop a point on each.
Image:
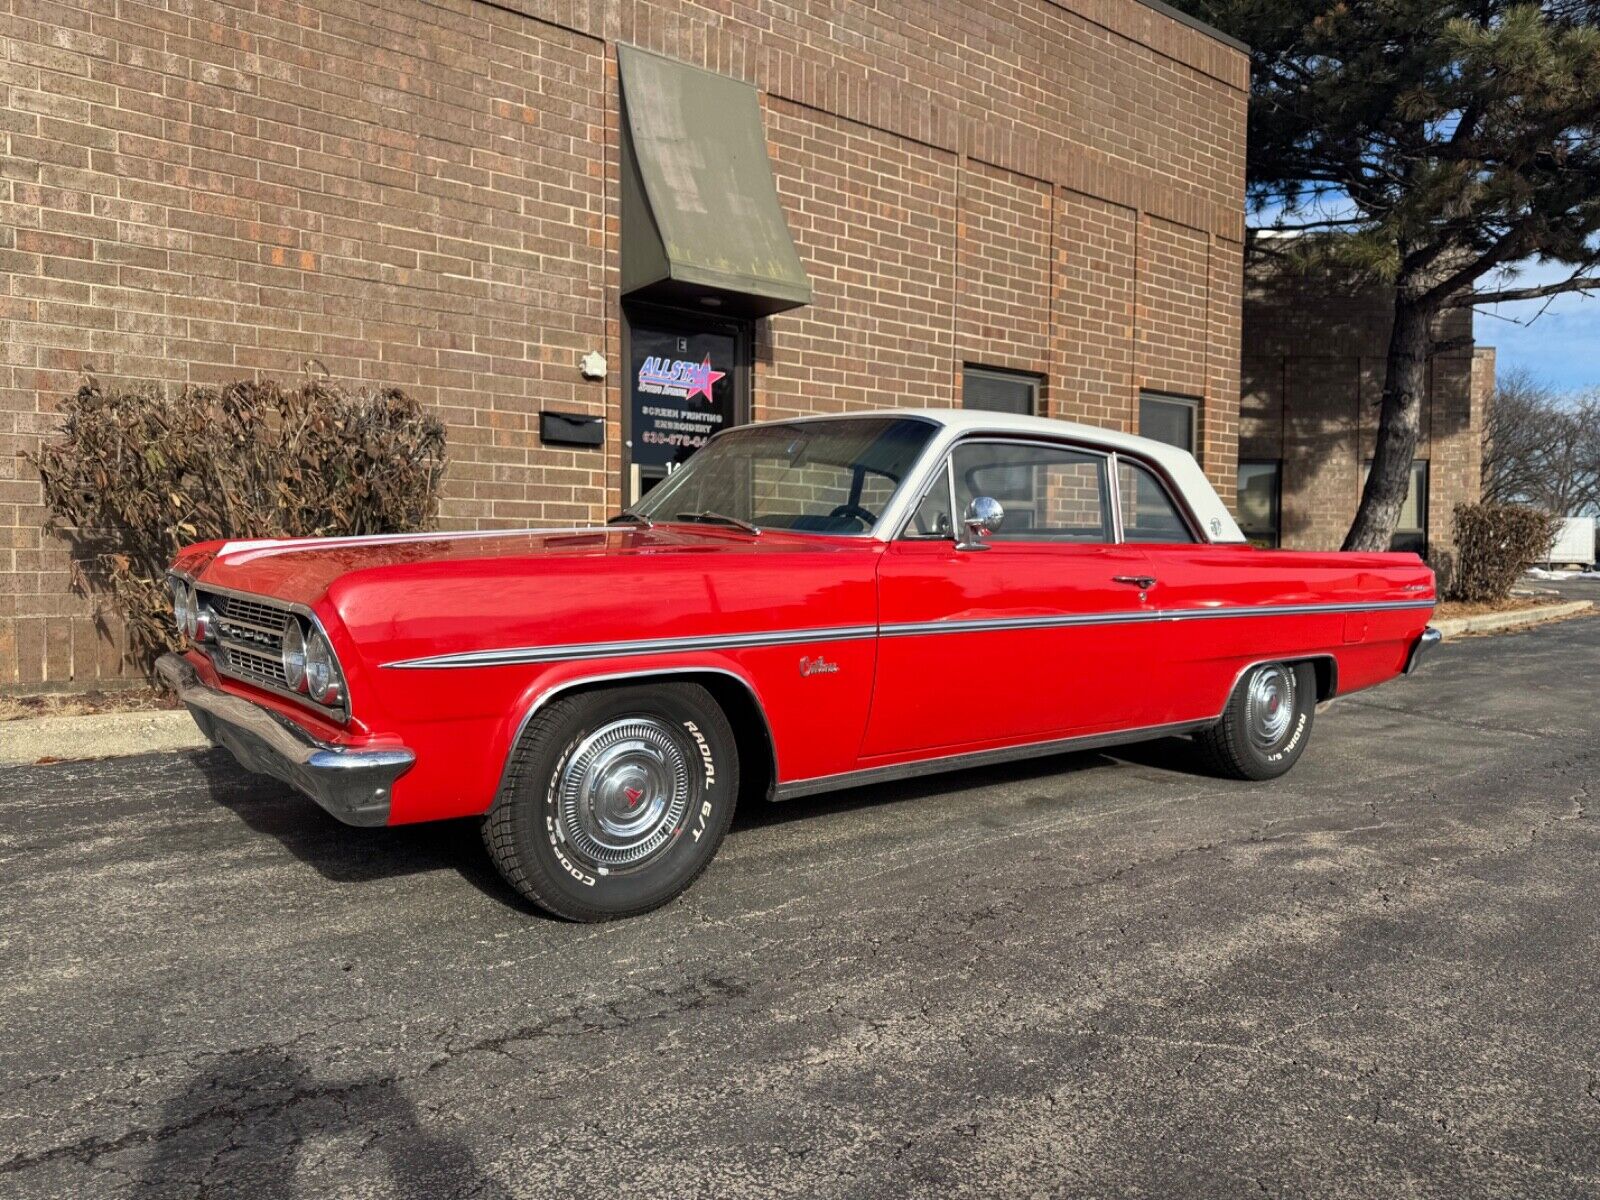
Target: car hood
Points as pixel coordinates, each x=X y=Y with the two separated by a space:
x=302 y=570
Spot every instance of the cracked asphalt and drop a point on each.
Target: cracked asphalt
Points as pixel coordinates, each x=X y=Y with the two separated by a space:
x=1088 y=976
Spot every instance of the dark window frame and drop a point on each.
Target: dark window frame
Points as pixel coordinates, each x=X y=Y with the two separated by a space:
x=1190 y=403
x=1034 y=382
x=1409 y=538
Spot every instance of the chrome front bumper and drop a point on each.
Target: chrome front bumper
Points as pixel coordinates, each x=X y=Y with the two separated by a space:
x=1429 y=638
x=353 y=785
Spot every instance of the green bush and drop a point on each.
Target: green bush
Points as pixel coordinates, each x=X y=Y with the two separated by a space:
x=1494 y=544
x=138 y=473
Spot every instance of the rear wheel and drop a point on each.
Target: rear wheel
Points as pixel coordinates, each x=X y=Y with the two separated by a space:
x=615 y=800
x=1264 y=729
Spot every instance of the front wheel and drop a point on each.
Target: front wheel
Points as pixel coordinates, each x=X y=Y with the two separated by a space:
x=615 y=800
x=1264 y=729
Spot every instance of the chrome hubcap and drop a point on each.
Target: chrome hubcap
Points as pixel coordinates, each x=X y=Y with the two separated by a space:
x=622 y=792
x=1269 y=705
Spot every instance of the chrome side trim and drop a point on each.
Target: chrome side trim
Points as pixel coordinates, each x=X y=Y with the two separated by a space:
x=978 y=758
x=1142 y=616
x=545 y=697
x=839 y=633
x=582 y=650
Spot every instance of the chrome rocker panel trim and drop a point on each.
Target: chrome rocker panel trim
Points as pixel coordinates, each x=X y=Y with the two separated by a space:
x=980 y=758
x=353 y=785
x=513 y=655
x=1429 y=638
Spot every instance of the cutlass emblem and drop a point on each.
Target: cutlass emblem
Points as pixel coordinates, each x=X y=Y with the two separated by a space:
x=818 y=666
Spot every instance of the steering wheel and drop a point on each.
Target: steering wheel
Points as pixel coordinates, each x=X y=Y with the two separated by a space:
x=866 y=518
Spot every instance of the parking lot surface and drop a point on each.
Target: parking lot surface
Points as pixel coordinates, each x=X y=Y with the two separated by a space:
x=1087 y=976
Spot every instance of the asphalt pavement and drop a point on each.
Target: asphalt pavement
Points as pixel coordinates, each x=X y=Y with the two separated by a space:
x=1086 y=976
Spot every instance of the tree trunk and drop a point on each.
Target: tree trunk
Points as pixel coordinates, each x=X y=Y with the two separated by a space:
x=1405 y=378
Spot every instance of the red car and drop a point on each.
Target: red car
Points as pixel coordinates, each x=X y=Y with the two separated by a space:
x=803 y=605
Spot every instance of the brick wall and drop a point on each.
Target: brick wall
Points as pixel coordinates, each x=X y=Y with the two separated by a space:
x=1313 y=365
x=424 y=193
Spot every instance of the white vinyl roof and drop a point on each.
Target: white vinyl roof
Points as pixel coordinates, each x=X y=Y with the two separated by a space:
x=1216 y=522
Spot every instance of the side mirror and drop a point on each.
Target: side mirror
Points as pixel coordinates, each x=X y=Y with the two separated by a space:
x=983 y=517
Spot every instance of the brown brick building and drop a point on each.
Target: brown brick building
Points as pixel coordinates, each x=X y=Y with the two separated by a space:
x=1015 y=202
x=1313 y=367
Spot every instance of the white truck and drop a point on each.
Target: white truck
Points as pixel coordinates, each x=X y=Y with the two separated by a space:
x=1574 y=544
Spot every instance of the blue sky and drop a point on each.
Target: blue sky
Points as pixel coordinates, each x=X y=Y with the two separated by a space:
x=1560 y=346
x=1557 y=341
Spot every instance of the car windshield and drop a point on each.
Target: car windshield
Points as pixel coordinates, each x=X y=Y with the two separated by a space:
x=812 y=476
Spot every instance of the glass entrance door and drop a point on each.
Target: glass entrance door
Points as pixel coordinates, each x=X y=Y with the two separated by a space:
x=688 y=378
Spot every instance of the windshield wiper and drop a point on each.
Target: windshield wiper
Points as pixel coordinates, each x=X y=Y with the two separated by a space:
x=628 y=516
x=716 y=518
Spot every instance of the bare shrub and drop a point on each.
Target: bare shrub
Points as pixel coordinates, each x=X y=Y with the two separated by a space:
x=1494 y=543
x=136 y=474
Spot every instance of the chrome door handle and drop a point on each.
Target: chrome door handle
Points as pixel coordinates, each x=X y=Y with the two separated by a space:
x=1143 y=582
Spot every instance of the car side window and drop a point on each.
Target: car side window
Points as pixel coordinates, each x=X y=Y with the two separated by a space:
x=1049 y=493
x=932 y=518
x=1148 y=511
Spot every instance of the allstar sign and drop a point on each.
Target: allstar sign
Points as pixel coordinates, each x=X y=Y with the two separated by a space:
x=701 y=379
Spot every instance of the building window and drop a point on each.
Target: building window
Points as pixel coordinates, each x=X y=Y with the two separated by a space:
x=999 y=391
x=1260 y=492
x=1411 y=530
x=1169 y=419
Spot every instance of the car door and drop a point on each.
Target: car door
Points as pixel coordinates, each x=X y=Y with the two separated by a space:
x=1027 y=634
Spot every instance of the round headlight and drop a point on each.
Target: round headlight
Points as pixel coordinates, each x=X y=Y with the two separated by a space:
x=180 y=604
x=322 y=672
x=204 y=622
x=294 y=655
x=191 y=614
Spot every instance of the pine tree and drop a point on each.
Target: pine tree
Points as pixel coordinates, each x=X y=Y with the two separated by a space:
x=1432 y=146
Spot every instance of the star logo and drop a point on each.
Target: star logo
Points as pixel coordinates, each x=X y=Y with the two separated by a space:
x=701 y=379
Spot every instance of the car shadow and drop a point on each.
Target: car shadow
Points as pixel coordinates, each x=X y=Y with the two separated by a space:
x=349 y=854
x=1175 y=754
x=757 y=815
x=1179 y=755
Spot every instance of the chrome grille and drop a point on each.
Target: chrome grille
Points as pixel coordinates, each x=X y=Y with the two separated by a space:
x=253 y=615
x=249 y=637
x=251 y=665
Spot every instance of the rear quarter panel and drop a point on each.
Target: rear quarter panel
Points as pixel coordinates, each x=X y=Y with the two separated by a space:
x=1203 y=654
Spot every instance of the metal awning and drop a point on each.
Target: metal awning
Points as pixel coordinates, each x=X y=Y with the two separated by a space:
x=701 y=222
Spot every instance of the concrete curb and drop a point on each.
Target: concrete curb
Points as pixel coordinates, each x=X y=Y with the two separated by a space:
x=105 y=735
x=1510 y=620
